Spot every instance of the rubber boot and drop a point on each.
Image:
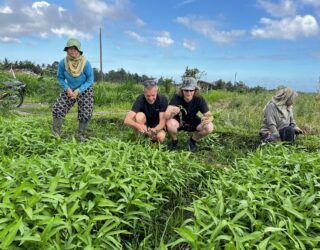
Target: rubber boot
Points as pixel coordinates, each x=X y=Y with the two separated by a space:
x=57 y=124
x=81 y=134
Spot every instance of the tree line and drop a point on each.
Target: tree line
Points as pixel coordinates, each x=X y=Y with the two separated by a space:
x=121 y=75
x=50 y=70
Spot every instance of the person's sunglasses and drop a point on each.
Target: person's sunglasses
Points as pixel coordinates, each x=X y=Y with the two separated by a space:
x=188 y=90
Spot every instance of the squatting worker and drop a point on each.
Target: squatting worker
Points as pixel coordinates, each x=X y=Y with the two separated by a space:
x=147 y=113
x=182 y=111
x=75 y=75
x=278 y=122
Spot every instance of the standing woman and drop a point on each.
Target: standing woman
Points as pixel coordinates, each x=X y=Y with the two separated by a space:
x=278 y=122
x=75 y=75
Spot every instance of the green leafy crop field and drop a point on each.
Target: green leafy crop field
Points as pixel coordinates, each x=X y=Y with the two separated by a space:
x=120 y=191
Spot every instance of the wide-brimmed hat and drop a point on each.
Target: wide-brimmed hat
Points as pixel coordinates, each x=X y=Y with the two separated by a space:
x=72 y=42
x=189 y=83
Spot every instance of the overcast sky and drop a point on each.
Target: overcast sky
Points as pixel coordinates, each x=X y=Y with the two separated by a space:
x=260 y=42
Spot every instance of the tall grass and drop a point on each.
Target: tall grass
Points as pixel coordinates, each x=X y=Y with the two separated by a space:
x=116 y=95
x=244 y=112
x=40 y=89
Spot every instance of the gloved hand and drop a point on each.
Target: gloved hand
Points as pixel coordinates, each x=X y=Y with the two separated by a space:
x=298 y=130
x=271 y=138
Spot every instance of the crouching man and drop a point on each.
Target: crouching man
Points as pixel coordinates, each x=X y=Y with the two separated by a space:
x=181 y=114
x=147 y=113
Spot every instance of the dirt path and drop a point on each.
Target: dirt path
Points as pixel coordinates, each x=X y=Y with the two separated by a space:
x=34 y=105
x=25 y=107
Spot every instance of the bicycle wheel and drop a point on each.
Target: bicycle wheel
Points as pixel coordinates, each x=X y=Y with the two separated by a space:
x=13 y=100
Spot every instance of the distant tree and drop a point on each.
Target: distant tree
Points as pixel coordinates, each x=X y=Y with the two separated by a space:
x=6 y=63
x=51 y=70
x=194 y=72
x=220 y=84
x=135 y=77
x=96 y=74
x=144 y=77
x=257 y=89
x=166 y=83
x=241 y=87
x=121 y=76
x=229 y=86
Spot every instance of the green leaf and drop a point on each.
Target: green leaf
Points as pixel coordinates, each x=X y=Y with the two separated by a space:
x=263 y=244
x=9 y=238
x=294 y=212
x=272 y=229
x=187 y=234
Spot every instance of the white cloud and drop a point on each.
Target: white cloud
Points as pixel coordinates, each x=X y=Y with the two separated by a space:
x=287 y=28
x=190 y=45
x=208 y=29
x=135 y=36
x=9 y=40
x=284 y=8
x=140 y=22
x=98 y=7
x=182 y=3
x=164 y=40
x=41 y=4
x=98 y=10
x=61 y=11
x=42 y=19
x=5 y=10
x=65 y=31
x=40 y=7
x=44 y=34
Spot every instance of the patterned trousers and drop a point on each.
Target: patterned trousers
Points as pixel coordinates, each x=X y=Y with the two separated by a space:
x=85 y=105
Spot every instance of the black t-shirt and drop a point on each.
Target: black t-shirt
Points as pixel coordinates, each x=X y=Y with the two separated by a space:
x=190 y=109
x=150 y=110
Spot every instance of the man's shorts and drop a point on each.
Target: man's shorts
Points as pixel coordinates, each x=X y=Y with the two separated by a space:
x=189 y=126
x=151 y=124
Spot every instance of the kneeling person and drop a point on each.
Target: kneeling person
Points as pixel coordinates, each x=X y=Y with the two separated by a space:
x=188 y=103
x=147 y=113
x=278 y=122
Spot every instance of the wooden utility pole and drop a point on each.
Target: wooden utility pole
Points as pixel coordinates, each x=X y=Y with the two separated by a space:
x=101 y=73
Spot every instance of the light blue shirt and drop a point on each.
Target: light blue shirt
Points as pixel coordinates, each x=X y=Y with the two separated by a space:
x=81 y=82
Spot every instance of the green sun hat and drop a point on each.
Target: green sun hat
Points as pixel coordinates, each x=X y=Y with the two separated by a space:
x=72 y=42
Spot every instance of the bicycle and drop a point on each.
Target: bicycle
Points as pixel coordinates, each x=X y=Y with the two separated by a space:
x=12 y=94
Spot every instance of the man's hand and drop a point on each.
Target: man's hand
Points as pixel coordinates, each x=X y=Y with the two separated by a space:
x=152 y=133
x=174 y=112
x=206 y=119
x=142 y=129
x=153 y=130
x=171 y=112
